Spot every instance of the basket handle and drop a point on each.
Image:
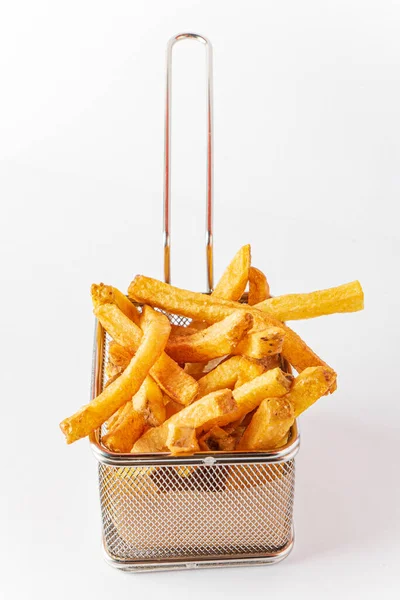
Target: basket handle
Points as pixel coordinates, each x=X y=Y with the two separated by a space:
x=167 y=160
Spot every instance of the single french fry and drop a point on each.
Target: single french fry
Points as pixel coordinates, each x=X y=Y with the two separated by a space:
x=128 y=427
x=122 y=330
x=106 y=294
x=181 y=440
x=173 y=380
x=215 y=341
x=258 y=344
x=195 y=416
x=209 y=309
x=272 y=384
x=217 y=440
x=258 y=287
x=270 y=423
x=167 y=373
x=150 y=403
x=234 y=279
x=118 y=355
x=348 y=297
x=156 y=329
x=309 y=386
x=226 y=375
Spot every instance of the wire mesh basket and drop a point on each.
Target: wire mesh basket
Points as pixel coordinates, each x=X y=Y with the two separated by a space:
x=210 y=509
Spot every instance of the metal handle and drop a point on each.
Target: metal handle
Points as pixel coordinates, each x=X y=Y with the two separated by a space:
x=167 y=160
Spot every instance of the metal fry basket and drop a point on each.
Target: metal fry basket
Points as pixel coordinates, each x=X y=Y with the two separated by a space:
x=208 y=510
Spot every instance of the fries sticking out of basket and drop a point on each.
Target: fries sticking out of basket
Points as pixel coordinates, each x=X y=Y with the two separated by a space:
x=211 y=384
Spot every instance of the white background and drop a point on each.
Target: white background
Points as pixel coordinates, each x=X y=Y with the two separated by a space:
x=307 y=153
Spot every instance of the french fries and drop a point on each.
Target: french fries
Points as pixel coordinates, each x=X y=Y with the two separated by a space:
x=234 y=279
x=150 y=403
x=227 y=373
x=215 y=341
x=261 y=344
x=181 y=440
x=272 y=384
x=270 y=423
x=106 y=294
x=118 y=355
x=217 y=439
x=258 y=287
x=195 y=416
x=217 y=385
x=127 y=428
x=309 y=386
x=345 y=298
x=156 y=329
x=170 y=377
x=209 y=309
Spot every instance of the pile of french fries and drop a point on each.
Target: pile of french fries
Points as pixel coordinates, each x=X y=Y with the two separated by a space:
x=223 y=382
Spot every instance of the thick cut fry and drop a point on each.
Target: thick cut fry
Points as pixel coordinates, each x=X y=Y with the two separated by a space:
x=270 y=423
x=217 y=440
x=170 y=377
x=309 y=386
x=259 y=344
x=150 y=404
x=118 y=355
x=272 y=384
x=211 y=310
x=348 y=297
x=106 y=294
x=181 y=440
x=215 y=341
x=226 y=375
x=119 y=326
x=156 y=329
x=195 y=416
x=234 y=279
x=128 y=427
x=258 y=287
x=173 y=380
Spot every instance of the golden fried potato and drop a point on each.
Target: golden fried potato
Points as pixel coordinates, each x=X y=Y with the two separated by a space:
x=195 y=416
x=217 y=440
x=106 y=294
x=309 y=386
x=210 y=309
x=171 y=408
x=127 y=428
x=228 y=373
x=234 y=279
x=181 y=440
x=259 y=344
x=270 y=423
x=348 y=297
x=215 y=341
x=258 y=287
x=156 y=329
x=150 y=403
x=118 y=355
x=272 y=384
x=167 y=373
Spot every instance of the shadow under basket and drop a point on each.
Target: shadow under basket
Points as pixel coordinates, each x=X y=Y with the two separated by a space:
x=207 y=510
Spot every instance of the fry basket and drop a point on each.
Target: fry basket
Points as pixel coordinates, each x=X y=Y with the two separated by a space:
x=211 y=509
